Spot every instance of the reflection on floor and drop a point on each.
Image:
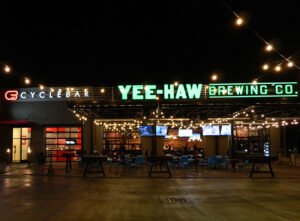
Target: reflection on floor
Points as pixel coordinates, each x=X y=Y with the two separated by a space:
x=210 y=195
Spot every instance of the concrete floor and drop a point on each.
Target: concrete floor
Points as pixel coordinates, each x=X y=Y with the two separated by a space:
x=216 y=195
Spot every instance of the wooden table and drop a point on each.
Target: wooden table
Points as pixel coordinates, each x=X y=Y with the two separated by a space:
x=90 y=160
x=162 y=160
x=68 y=157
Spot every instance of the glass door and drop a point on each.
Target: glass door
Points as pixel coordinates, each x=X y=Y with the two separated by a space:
x=21 y=144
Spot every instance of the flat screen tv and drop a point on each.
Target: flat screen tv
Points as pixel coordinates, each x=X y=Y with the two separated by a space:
x=226 y=130
x=195 y=137
x=146 y=131
x=161 y=130
x=185 y=132
x=211 y=130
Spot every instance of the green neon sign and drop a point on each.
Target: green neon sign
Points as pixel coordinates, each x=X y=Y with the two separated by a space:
x=216 y=90
x=248 y=90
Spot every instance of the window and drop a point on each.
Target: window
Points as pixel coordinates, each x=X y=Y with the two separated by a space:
x=60 y=140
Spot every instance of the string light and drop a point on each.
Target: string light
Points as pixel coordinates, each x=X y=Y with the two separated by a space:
x=214 y=77
x=27 y=81
x=239 y=21
x=265 y=67
x=254 y=82
x=42 y=87
x=278 y=68
x=176 y=83
x=269 y=47
x=7 y=69
x=290 y=64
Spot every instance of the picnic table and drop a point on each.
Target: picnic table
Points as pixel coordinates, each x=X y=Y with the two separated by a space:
x=161 y=160
x=92 y=160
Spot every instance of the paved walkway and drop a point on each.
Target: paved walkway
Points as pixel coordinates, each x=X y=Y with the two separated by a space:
x=213 y=196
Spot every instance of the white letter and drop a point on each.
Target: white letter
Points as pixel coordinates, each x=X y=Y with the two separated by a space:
x=42 y=96
x=23 y=95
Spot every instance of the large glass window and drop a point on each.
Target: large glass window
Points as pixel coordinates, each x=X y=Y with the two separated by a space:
x=21 y=144
x=60 y=140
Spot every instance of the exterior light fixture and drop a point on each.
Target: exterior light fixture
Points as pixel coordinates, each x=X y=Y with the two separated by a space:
x=7 y=150
x=102 y=90
x=42 y=87
x=176 y=83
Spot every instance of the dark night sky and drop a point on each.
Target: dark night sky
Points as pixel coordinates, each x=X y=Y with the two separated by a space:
x=148 y=42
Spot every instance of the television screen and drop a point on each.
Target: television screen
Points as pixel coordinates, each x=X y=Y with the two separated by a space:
x=185 y=133
x=161 y=130
x=146 y=131
x=226 y=130
x=195 y=137
x=212 y=130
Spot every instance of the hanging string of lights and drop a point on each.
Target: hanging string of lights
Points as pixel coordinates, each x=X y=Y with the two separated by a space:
x=239 y=21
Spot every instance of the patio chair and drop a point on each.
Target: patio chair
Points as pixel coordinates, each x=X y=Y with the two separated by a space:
x=183 y=161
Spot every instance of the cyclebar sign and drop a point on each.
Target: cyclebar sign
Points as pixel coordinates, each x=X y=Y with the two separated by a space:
x=54 y=94
x=217 y=90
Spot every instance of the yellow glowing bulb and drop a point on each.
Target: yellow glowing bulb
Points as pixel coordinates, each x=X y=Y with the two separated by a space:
x=277 y=68
x=27 y=81
x=254 y=82
x=239 y=21
x=42 y=87
x=265 y=67
x=51 y=89
x=7 y=69
x=290 y=64
x=176 y=83
x=269 y=47
x=102 y=90
x=157 y=98
x=214 y=77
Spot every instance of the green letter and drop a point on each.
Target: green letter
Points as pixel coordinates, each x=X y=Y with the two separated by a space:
x=181 y=92
x=169 y=91
x=221 y=89
x=263 y=89
x=194 y=90
x=239 y=90
x=124 y=91
x=212 y=90
x=289 y=89
x=278 y=89
x=229 y=90
x=136 y=90
x=254 y=89
x=149 y=92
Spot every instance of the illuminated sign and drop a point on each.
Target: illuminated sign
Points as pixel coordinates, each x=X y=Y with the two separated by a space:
x=248 y=90
x=219 y=90
x=151 y=92
x=11 y=95
x=180 y=92
x=35 y=94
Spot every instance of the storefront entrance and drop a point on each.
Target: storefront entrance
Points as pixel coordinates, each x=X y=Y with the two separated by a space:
x=21 y=144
